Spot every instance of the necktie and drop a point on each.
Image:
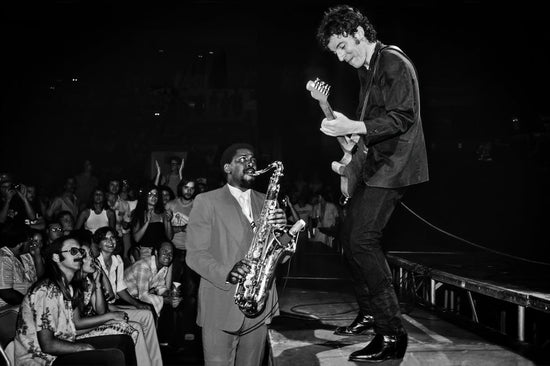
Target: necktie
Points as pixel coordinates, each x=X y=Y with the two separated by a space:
x=245 y=207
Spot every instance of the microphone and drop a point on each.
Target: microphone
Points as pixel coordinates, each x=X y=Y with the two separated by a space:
x=285 y=238
x=297 y=227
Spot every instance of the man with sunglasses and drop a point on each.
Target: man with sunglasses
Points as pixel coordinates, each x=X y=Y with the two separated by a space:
x=46 y=333
x=54 y=231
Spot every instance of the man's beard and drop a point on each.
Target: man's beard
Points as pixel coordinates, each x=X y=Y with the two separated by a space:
x=247 y=183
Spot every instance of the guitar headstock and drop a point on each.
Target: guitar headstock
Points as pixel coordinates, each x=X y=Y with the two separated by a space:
x=319 y=89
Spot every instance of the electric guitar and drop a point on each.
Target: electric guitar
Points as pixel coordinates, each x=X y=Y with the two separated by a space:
x=350 y=167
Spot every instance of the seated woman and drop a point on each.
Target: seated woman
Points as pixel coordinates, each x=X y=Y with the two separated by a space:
x=137 y=310
x=46 y=333
x=91 y=312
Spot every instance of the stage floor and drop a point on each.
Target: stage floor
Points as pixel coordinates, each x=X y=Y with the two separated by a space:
x=303 y=334
x=316 y=296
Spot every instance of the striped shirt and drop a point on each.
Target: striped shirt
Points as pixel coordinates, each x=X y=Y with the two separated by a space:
x=15 y=274
x=146 y=283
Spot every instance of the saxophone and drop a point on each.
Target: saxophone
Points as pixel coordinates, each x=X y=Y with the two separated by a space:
x=267 y=247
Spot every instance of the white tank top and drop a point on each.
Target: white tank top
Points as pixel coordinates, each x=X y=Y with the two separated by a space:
x=94 y=221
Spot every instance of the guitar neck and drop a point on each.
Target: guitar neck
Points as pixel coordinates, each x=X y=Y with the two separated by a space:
x=327 y=110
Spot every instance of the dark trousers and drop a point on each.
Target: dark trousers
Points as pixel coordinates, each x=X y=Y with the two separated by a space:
x=110 y=350
x=366 y=216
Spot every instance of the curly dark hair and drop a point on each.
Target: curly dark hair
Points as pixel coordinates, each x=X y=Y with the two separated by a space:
x=343 y=20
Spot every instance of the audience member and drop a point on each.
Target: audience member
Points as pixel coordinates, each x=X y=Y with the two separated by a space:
x=201 y=185
x=46 y=333
x=14 y=205
x=137 y=310
x=121 y=208
x=129 y=194
x=97 y=215
x=38 y=206
x=86 y=182
x=36 y=243
x=53 y=231
x=18 y=265
x=148 y=279
x=174 y=176
x=166 y=194
x=150 y=225
x=303 y=207
x=66 y=220
x=92 y=309
x=325 y=219
x=181 y=208
x=66 y=201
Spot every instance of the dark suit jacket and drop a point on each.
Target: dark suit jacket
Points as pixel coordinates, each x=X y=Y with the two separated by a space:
x=395 y=138
x=218 y=236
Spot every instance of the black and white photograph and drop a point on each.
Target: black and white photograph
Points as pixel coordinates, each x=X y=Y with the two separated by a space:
x=250 y=183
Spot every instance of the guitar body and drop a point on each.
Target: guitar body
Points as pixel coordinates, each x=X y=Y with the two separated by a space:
x=350 y=167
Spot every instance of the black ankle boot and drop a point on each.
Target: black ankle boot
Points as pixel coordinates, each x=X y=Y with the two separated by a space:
x=360 y=325
x=382 y=347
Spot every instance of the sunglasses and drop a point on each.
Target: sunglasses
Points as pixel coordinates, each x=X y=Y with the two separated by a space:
x=56 y=228
x=74 y=251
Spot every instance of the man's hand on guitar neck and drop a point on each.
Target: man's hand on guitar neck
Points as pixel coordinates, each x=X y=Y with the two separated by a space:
x=342 y=126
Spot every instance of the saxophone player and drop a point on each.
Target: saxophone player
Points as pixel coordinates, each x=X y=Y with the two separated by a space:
x=219 y=234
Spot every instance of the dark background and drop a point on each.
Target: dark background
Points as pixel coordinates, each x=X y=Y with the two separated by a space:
x=196 y=75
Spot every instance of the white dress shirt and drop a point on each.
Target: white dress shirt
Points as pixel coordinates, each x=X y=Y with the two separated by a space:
x=244 y=200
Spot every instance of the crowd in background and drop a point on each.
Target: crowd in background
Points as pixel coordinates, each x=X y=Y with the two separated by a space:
x=130 y=243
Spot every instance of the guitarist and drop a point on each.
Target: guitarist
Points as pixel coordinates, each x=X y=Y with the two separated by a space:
x=391 y=129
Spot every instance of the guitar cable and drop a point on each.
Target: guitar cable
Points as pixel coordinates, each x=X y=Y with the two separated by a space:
x=469 y=242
